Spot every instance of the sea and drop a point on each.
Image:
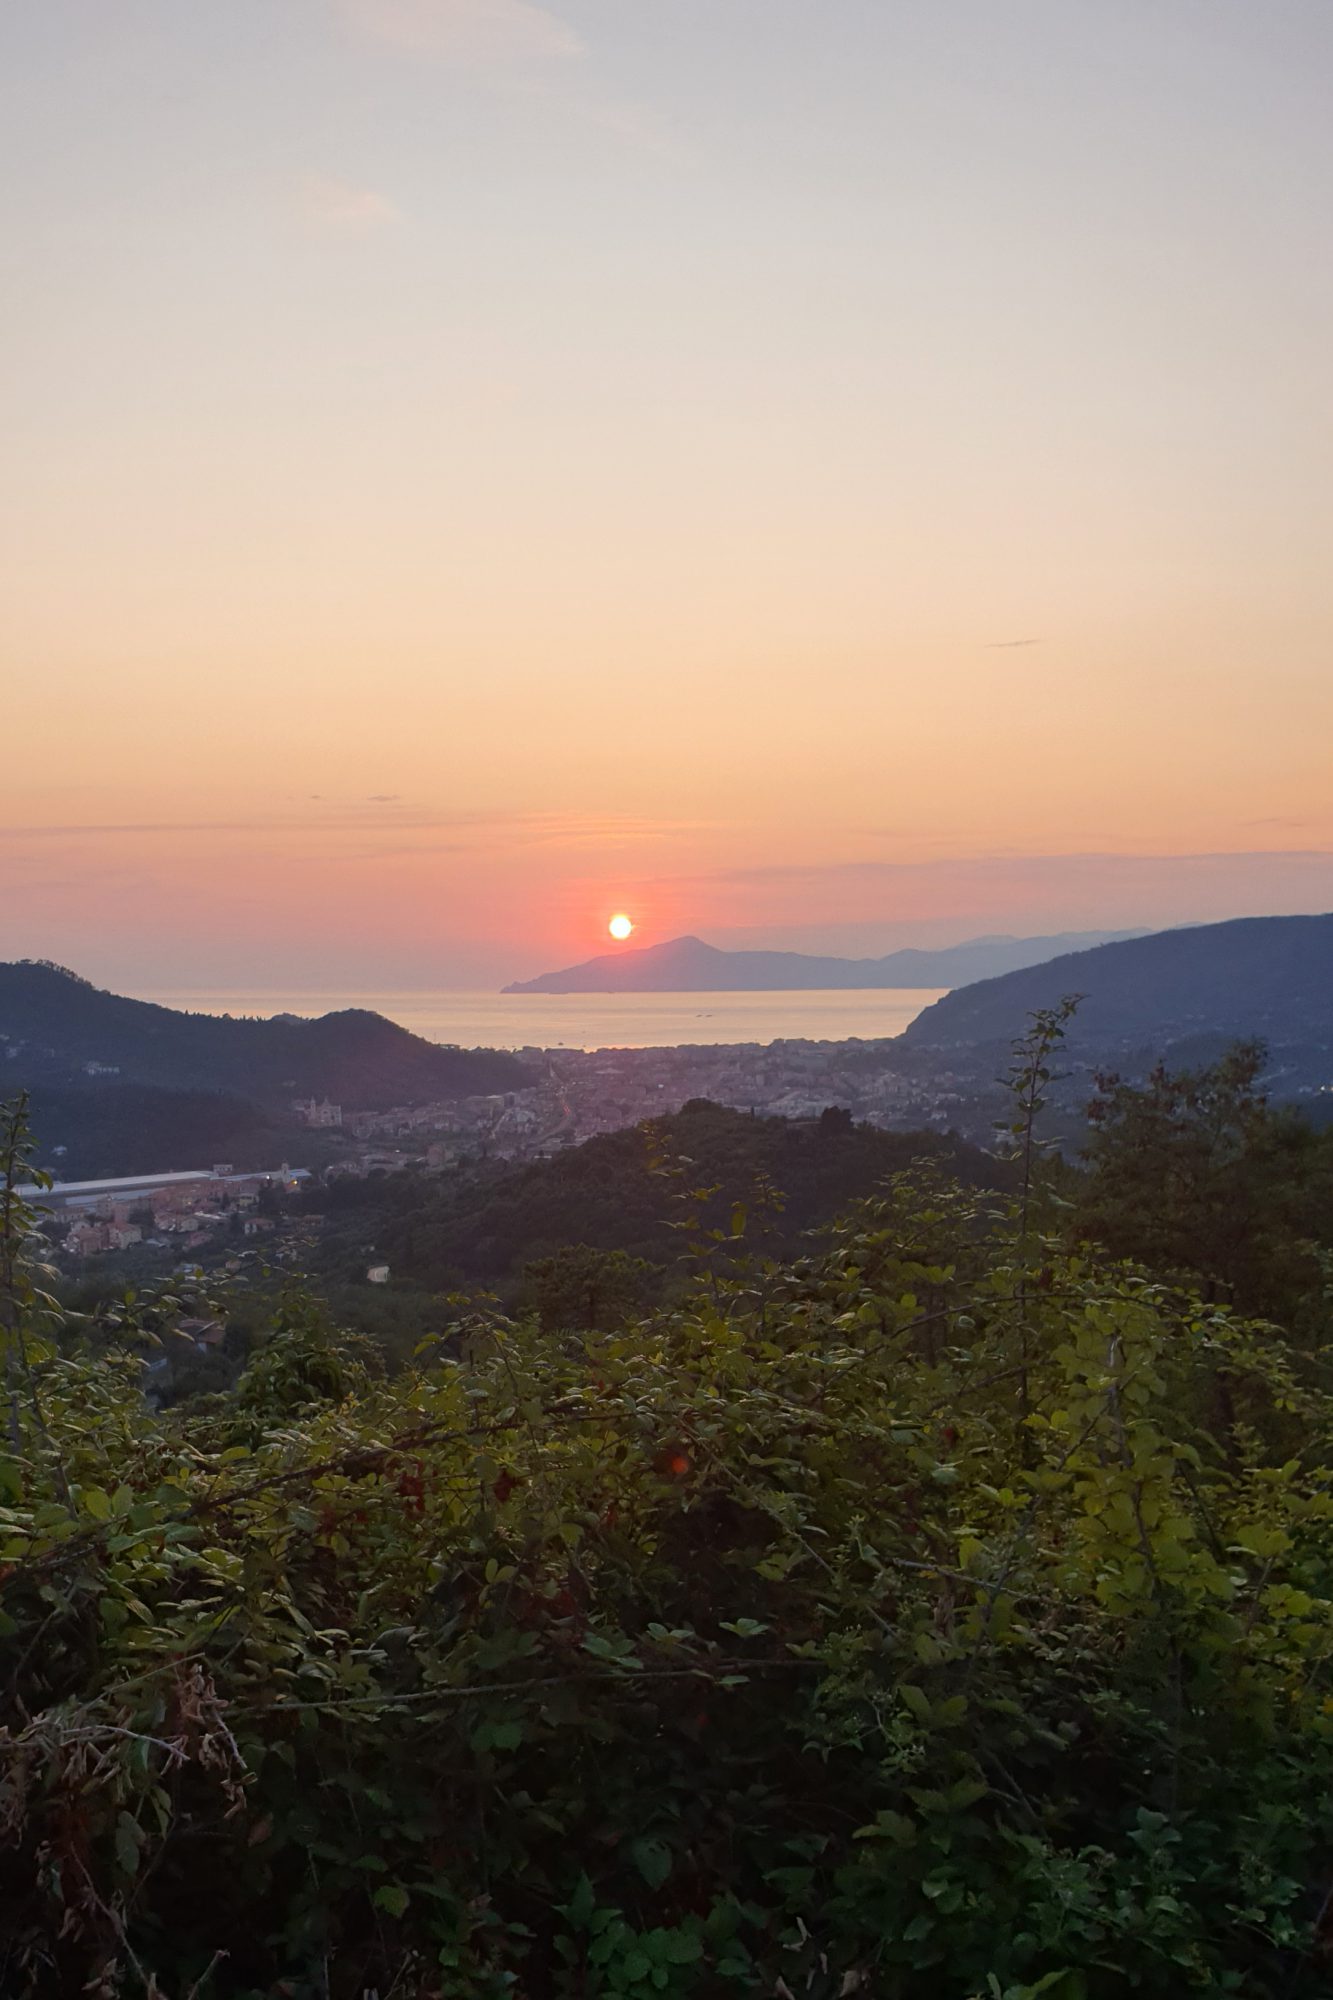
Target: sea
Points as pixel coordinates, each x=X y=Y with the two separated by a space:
x=598 y=1020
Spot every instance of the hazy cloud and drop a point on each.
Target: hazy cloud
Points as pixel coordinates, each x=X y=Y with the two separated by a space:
x=1092 y=866
x=485 y=827
x=336 y=208
x=1022 y=894
x=1008 y=645
x=465 y=30
x=634 y=125
x=526 y=46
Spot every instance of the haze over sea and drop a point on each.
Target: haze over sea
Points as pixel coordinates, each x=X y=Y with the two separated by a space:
x=598 y=1020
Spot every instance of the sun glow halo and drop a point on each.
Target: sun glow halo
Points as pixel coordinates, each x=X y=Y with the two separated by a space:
x=620 y=927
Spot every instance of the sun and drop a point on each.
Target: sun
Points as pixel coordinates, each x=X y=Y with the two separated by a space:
x=620 y=926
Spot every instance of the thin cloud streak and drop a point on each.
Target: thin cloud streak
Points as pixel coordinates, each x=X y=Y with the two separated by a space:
x=806 y=873
x=882 y=903
x=333 y=207
x=470 y=31
x=526 y=45
x=538 y=828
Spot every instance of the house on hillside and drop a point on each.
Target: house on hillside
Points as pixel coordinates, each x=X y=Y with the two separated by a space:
x=319 y=1116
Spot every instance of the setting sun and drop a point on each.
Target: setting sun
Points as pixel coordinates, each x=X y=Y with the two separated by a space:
x=620 y=927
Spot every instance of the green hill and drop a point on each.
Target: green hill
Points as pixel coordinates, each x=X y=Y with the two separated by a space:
x=56 y=1024
x=612 y=1192
x=1264 y=977
x=114 y=1128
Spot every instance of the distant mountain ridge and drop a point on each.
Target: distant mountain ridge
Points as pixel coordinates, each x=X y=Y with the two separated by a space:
x=688 y=965
x=1264 y=977
x=53 y=1024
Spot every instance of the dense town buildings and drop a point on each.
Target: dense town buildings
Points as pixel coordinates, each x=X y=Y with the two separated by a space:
x=318 y=1114
x=573 y=1095
x=165 y=1210
x=576 y=1093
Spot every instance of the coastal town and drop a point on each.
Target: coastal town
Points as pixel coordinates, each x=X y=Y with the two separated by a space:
x=165 y=1211
x=577 y=1093
x=184 y=1216
x=573 y=1095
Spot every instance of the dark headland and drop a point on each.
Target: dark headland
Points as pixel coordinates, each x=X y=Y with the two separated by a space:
x=688 y=965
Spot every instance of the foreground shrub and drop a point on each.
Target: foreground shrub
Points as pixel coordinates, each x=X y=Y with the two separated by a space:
x=924 y=1619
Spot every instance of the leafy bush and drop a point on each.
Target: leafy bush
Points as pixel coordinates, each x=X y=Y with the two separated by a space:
x=941 y=1615
x=1197 y=1172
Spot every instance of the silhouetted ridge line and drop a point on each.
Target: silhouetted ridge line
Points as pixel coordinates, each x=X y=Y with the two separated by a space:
x=55 y=1025
x=688 y=965
x=1268 y=977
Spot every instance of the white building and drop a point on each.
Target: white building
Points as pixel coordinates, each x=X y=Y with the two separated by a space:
x=318 y=1115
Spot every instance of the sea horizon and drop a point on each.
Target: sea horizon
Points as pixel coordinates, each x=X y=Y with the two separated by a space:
x=486 y=1019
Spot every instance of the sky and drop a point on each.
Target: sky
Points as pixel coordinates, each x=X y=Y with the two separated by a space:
x=830 y=474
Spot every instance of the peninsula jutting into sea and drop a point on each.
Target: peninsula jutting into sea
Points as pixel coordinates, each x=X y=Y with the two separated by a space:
x=688 y=965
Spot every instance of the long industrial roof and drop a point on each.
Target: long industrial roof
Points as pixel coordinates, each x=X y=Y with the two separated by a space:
x=69 y=1190
x=126 y=1182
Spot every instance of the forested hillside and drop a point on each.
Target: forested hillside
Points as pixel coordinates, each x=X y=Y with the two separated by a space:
x=628 y=1191
x=108 y=1128
x=56 y=1023
x=1269 y=977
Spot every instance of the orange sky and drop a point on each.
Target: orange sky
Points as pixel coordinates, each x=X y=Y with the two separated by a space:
x=476 y=467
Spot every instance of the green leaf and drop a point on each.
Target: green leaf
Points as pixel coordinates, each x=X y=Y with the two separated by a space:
x=392 y=1897
x=888 y=1825
x=128 y=1842
x=916 y=1699
x=1263 y=1542
x=578 y=1910
x=652 y=1858
x=603 y=1648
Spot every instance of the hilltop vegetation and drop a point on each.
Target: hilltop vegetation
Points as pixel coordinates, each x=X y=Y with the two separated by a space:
x=1194 y=1173
x=113 y=1128
x=59 y=1023
x=623 y=1192
x=124 y=1086
x=1270 y=977
x=944 y=1611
